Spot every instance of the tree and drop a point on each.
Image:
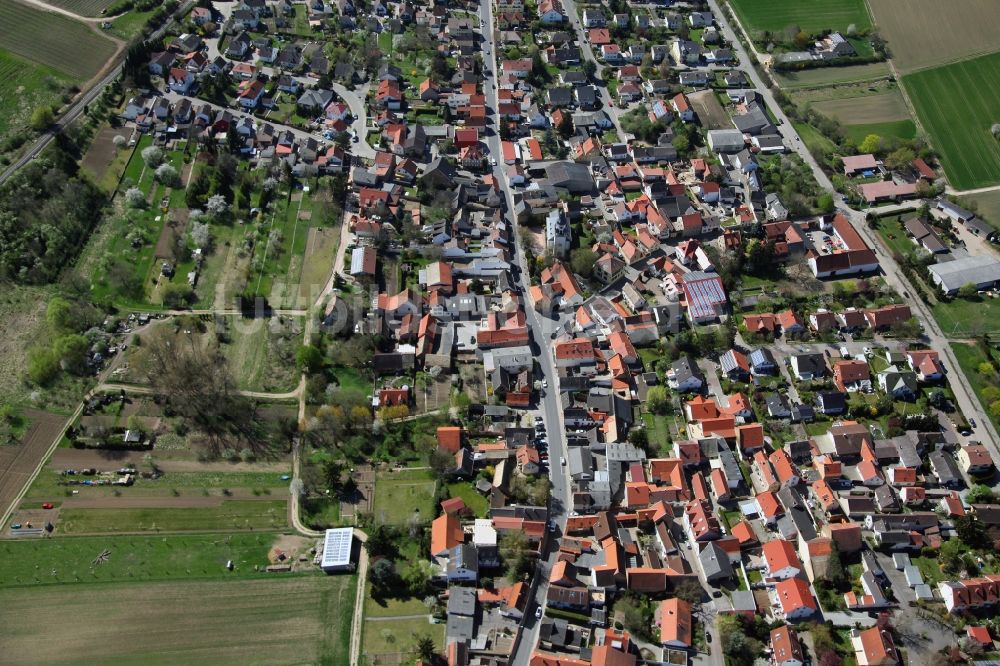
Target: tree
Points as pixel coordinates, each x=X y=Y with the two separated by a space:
x=201 y=235
x=899 y=158
x=134 y=198
x=589 y=68
x=980 y=494
x=968 y=291
x=870 y=144
x=425 y=649
x=196 y=383
x=383 y=578
x=971 y=531
x=381 y=542
x=835 y=567
x=309 y=359
x=986 y=369
x=658 y=400
x=60 y=315
x=565 y=127
x=72 y=351
x=441 y=462
x=514 y=551
x=152 y=156
x=582 y=261
x=217 y=205
x=43 y=365
x=825 y=202
x=41 y=118
x=167 y=174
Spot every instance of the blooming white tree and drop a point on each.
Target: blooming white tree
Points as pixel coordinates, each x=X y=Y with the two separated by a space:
x=119 y=141
x=134 y=198
x=152 y=156
x=167 y=174
x=201 y=235
x=216 y=205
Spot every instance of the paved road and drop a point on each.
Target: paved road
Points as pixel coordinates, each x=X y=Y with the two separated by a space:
x=966 y=399
x=541 y=329
x=569 y=6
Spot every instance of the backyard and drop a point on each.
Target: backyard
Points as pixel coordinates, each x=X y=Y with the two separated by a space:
x=404 y=495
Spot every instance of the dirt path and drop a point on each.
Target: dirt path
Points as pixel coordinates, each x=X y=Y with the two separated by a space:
x=77 y=458
x=359 y=599
x=164 y=502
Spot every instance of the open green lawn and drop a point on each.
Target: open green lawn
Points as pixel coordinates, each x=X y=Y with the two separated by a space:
x=826 y=76
x=472 y=497
x=402 y=495
x=268 y=620
x=895 y=129
x=82 y=7
x=957 y=105
x=269 y=514
x=814 y=140
x=813 y=16
x=24 y=87
x=130 y=24
x=961 y=318
x=394 y=607
x=658 y=431
x=262 y=359
x=30 y=562
x=53 y=40
x=969 y=358
x=187 y=484
x=398 y=636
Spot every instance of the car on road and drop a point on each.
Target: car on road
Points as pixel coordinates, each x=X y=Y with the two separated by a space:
x=868 y=351
x=545 y=383
x=972 y=422
x=493 y=161
x=15 y=526
x=538 y=612
x=562 y=461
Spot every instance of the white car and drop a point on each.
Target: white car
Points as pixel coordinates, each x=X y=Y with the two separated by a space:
x=538 y=613
x=562 y=461
x=545 y=383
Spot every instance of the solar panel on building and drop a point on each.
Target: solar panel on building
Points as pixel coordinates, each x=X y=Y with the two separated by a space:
x=337 y=548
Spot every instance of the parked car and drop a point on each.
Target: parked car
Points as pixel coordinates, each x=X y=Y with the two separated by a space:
x=538 y=612
x=47 y=505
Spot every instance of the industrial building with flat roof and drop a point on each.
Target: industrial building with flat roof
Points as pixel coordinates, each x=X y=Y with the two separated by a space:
x=980 y=270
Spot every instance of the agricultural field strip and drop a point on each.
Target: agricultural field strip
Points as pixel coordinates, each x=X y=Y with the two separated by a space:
x=923 y=34
x=54 y=40
x=776 y=15
x=956 y=104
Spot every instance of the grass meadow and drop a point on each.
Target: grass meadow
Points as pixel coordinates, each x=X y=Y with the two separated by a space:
x=957 y=105
x=776 y=15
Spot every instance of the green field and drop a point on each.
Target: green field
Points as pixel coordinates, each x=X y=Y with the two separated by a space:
x=399 y=636
x=260 y=359
x=53 y=40
x=273 y=620
x=186 y=484
x=815 y=141
x=899 y=129
x=776 y=15
x=825 y=76
x=399 y=496
x=962 y=318
x=130 y=24
x=25 y=86
x=132 y=558
x=969 y=357
x=266 y=514
x=987 y=205
x=82 y=7
x=957 y=105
